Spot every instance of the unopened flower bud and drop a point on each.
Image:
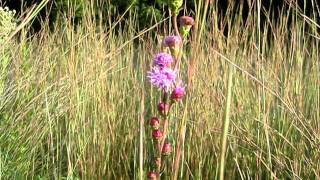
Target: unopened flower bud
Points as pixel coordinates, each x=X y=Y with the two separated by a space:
x=178 y=93
x=157 y=162
x=156 y=134
x=152 y=175
x=174 y=43
x=166 y=150
x=175 y=5
x=163 y=108
x=154 y=123
x=186 y=23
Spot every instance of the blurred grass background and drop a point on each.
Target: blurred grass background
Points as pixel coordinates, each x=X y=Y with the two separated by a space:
x=70 y=101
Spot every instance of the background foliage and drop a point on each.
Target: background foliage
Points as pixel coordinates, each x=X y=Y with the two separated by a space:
x=150 y=11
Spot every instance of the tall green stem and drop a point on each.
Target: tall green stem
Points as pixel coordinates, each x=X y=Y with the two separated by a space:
x=226 y=125
x=141 y=136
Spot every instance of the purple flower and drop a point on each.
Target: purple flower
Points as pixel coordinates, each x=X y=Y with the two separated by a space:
x=178 y=93
x=163 y=78
x=172 y=42
x=163 y=60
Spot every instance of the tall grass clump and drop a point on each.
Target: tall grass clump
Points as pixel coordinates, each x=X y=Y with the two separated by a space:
x=76 y=96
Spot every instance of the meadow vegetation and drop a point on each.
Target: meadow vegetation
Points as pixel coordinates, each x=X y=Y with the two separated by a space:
x=74 y=98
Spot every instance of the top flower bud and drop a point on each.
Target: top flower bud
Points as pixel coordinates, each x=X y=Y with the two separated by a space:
x=175 y=5
x=163 y=60
x=186 y=21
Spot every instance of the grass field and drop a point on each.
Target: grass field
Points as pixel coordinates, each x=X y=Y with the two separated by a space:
x=74 y=99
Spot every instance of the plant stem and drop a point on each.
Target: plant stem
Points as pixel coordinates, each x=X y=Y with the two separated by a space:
x=165 y=131
x=176 y=29
x=175 y=24
x=141 y=136
x=226 y=125
x=180 y=145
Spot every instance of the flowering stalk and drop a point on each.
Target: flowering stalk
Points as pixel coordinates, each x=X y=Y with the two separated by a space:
x=164 y=76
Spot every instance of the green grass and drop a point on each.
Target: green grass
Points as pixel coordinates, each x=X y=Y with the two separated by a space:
x=72 y=106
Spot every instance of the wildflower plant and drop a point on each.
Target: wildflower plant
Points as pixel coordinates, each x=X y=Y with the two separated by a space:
x=164 y=75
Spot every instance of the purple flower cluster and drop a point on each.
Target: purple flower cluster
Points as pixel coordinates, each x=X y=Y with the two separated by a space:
x=161 y=75
x=163 y=78
x=163 y=60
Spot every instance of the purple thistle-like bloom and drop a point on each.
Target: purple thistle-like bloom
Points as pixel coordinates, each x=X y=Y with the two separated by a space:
x=172 y=41
x=163 y=60
x=178 y=93
x=163 y=78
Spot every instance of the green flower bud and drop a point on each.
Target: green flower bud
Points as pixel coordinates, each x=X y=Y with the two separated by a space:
x=184 y=30
x=175 y=5
x=186 y=23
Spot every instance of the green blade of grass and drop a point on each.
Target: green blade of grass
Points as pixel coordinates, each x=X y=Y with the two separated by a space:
x=226 y=123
